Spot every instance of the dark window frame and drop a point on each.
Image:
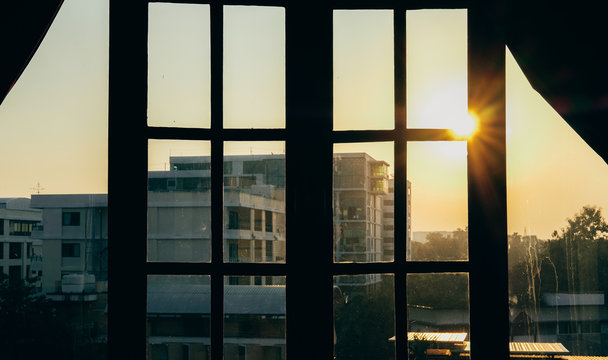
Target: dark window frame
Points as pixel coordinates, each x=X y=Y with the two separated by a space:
x=308 y=116
x=70 y=250
x=70 y=218
x=15 y=250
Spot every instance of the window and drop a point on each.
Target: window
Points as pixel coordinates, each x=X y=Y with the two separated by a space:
x=15 y=250
x=20 y=228
x=308 y=175
x=268 y=220
x=70 y=250
x=14 y=274
x=257 y=222
x=1 y=226
x=71 y=218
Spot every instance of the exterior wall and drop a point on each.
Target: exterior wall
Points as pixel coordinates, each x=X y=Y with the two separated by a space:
x=179 y=211
x=360 y=187
x=17 y=221
x=74 y=237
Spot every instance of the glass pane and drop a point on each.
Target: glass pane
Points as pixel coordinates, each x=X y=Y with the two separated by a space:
x=360 y=187
x=558 y=233
x=254 y=320
x=179 y=65
x=364 y=317
x=363 y=69
x=436 y=68
x=438 y=315
x=179 y=201
x=54 y=140
x=254 y=67
x=437 y=173
x=177 y=321
x=254 y=201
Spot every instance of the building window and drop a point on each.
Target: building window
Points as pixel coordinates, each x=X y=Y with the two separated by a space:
x=257 y=220
x=20 y=227
x=70 y=250
x=1 y=226
x=14 y=274
x=14 y=250
x=308 y=210
x=71 y=218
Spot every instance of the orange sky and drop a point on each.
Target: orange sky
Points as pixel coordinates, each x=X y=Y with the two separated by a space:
x=54 y=121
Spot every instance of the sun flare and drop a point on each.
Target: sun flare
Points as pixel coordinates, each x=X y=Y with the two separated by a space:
x=466 y=126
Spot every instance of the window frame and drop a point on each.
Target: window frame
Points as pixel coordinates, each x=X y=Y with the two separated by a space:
x=308 y=116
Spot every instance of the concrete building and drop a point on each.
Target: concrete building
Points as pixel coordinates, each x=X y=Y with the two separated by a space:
x=179 y=211
x=74 y=240
x=20 y=255
x=388 y=233
x=178 y=316
x=360 y=184
x=74 y=235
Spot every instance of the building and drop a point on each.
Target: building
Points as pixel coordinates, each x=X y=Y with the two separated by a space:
x=179 y=212
x=74 y=236
x=178 y=320
x=20 y=256
x=388 y=233
x=360 y=184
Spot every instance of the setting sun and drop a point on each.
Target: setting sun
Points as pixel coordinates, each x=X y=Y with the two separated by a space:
x=466 y=126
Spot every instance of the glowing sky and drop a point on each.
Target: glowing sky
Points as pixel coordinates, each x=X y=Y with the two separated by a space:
x=53 y=124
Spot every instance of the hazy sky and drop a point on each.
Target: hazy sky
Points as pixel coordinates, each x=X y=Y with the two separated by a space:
x=54 y=121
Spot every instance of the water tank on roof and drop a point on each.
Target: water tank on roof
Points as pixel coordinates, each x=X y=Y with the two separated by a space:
x=78 y=283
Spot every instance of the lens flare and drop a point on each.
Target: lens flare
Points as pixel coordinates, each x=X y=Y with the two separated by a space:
x=466 y=127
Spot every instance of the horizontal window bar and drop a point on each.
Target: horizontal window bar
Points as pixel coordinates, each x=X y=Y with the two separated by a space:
x=223 y=134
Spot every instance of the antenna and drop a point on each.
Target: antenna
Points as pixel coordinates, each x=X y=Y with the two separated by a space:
x=38 y=188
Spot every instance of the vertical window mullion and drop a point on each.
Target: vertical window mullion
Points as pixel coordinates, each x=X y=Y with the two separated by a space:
x=486 y=163
x=309 y=255
x=217 y=162
x=400 y=203
x=127 y=193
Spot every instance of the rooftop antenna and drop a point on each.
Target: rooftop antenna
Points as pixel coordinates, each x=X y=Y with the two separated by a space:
x=38 y=188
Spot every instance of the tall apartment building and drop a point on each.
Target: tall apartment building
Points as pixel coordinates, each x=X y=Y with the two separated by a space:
x=360 y=184
x=388 y=235
x=19 y=253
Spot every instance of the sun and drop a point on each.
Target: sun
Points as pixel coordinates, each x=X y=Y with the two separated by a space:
x=466 y=126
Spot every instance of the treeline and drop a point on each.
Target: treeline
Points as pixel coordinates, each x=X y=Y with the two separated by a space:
x=574 y=260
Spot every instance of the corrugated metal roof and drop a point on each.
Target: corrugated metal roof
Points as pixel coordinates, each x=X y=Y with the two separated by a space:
x=537 y=348
x=434 y=336
x=195 y=299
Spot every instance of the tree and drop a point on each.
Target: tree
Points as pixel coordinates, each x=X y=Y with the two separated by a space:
x=575 y=253
x=28 y=326
x=439 y=247
x=574 y=260
x=365 y=323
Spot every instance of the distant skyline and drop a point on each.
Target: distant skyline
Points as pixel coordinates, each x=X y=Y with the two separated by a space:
x=53 y=123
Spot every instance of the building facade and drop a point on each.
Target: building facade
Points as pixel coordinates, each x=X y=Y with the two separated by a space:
x=20 y=255
x=179 y=212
